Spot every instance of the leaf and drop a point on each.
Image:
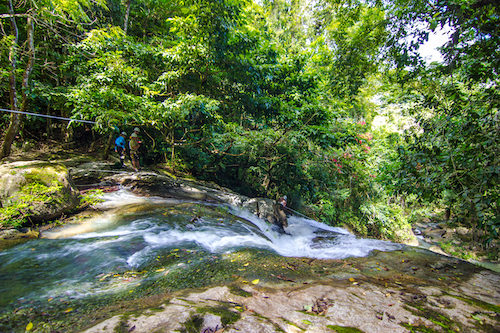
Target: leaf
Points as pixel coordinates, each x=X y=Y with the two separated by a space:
x=68 y=310
x=351 y=279
x=29 y=327
x=256 y=281
x=433 y=25
x=307 y=322
x=475 y=317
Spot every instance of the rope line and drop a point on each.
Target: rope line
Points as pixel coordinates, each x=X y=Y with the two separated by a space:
x=298 y=213
x=48 y=116
x=112 y=171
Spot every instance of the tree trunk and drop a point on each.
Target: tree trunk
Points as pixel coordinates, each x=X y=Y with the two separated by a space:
x=49 y=124
x=68 y=134
x=173 y=151
x=127 y=13
x=93 y=144
x=16 y=119
x=109 y=142
x=447 y=213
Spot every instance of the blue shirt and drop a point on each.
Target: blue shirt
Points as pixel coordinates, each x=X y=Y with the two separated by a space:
x=120 y=142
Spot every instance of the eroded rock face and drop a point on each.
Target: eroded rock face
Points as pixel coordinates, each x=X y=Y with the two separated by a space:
x=402 y=291
x=366 y=307
x=39 y=191
x=152 y=184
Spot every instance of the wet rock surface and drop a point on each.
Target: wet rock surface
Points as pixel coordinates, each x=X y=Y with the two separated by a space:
x=153 y=184
x=410 y=290
x=402 y=291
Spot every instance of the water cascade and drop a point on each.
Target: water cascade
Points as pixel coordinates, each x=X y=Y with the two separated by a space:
x=134 y=233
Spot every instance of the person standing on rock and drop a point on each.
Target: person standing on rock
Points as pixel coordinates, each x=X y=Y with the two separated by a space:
x=280 y=218
x=120 y=147
x=134 y=145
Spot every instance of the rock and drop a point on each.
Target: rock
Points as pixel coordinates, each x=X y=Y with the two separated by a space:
x=437 y=249
x=13 y=237
x=211 y=324
x=463 y=231
x=325 y=306
x=406 y=236
x=420 y=225
x=434 y=233
x=10 y=234
x=262 y=207
x=90 y=173
x=35 y=191
x=152 y=184
x=252 y=205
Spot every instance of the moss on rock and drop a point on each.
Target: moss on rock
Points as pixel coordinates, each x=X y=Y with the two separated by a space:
x=33 y=192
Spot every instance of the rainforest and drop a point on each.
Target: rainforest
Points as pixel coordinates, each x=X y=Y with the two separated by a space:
x=334 y=103
x=329 y=102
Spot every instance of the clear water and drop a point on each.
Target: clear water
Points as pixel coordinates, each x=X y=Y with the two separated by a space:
x=76 y=260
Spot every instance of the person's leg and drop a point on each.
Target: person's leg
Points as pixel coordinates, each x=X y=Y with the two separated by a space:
x=283 y=219
x=136 y=161
x=132 y=160
x=121 y=152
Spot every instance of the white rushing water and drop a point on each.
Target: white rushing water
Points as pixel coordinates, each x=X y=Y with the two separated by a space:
x=305 y=238
x=136 y=234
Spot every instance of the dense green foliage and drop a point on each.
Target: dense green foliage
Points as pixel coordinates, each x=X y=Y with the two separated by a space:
x=276 y=97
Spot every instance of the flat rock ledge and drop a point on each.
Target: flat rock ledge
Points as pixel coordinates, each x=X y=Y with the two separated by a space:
x=361 y=303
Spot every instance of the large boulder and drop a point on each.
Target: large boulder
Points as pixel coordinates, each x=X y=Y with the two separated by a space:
x=35 y=191
x=153 y=184
x=262 y=207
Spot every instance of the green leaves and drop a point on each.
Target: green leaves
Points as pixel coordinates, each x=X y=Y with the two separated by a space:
x=449 y=158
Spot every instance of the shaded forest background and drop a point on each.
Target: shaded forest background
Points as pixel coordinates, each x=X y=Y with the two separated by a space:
x=326 y=101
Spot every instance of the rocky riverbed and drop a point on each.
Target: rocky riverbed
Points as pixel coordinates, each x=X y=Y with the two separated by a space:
x=156 y=269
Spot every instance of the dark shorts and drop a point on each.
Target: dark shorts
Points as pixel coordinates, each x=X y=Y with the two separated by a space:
x=120 y=151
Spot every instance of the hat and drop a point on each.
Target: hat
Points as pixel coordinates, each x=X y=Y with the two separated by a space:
x=284 y=197
x=123 y=133
x=134 y=135
x=137 y=129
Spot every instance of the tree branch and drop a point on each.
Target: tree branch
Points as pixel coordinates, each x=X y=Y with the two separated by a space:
x=9 y=16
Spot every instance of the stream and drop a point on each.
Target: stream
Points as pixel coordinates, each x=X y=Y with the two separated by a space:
x=136 y=237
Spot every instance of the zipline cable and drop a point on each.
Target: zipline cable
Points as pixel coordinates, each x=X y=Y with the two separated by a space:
x=48 y=116
x=298 y=213
x=112 y=171
x=93 y=122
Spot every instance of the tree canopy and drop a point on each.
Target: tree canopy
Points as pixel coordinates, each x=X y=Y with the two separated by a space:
x=278 y=97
